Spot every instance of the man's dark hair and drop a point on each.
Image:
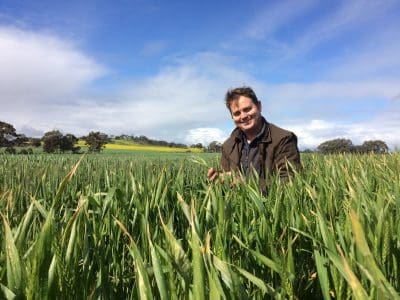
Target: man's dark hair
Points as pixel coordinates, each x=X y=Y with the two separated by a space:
x=234 y=94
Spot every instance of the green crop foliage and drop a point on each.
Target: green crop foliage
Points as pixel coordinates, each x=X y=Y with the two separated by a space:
x=137 y=226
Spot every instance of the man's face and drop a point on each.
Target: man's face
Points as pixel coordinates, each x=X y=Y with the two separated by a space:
x=246 y=115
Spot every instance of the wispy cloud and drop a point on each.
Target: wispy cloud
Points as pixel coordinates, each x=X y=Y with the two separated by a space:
x=154 y=47
x=288 y=31
x=379 y=57
x=344 y=18
x=272 y=18
x=335 y=90
x=328 y=100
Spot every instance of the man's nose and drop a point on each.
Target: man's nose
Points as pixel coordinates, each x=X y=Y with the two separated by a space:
x=244 y=115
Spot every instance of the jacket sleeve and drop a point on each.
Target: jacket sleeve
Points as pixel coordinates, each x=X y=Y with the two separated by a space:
x=287 y=157
x=224 y=164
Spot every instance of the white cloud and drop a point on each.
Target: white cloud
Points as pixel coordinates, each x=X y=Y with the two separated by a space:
x=312 y=133
x=385 y=126
x=205 y=136
x=184 y=95
x=41 y=77
x=39 y=68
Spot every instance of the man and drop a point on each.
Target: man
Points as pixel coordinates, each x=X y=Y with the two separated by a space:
x=255 y=143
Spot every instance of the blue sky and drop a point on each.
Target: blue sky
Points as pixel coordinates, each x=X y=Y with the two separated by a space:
x=323 y=69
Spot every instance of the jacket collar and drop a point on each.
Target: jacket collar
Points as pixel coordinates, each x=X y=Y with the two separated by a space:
x=237 y=136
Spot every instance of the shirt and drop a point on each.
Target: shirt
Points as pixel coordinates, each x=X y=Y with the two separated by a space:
x=250 y=156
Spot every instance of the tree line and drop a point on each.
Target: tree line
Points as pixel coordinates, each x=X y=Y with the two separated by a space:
x=52 y=141
x=56 y=142
x=143 y=140
x=342 y=145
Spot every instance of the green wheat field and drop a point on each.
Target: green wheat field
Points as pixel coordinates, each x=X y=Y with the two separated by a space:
x=137 y=226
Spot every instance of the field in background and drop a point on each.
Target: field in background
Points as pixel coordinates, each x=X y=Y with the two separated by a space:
x=151 y=148
x=130 y=146
x=149 y=225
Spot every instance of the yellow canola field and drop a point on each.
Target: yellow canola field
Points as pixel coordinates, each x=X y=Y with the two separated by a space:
x=150 y=148
x=113 y=146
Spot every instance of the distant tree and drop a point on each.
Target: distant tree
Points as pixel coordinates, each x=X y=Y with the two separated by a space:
x=307 y=150
x=52 y=141
x=143 y=139
x=67 y=143
x=181 y=145
x=23 y=151
x=6 y=128
x=96 y=141
x=35 y=142
x=198 y=145
x=55 y=141
x=77 y=150
x=7 y=134
x=214 y=146
x=122 y=137
x=336 y=146
x=376 y=146
x=10 y=150
x=20 y=140
x=359 y=149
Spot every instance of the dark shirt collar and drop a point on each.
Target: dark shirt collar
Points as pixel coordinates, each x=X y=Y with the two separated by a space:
x=236 y=135
x=258 y=136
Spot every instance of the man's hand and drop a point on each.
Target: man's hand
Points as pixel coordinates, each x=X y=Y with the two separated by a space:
x=212 y=174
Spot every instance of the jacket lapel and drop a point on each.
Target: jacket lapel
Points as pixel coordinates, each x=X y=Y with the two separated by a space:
x=234 y=147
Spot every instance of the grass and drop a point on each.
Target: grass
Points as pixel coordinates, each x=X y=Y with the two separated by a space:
x=151 y=226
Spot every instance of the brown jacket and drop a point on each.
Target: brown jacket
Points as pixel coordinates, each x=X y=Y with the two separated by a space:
x=277 y=146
